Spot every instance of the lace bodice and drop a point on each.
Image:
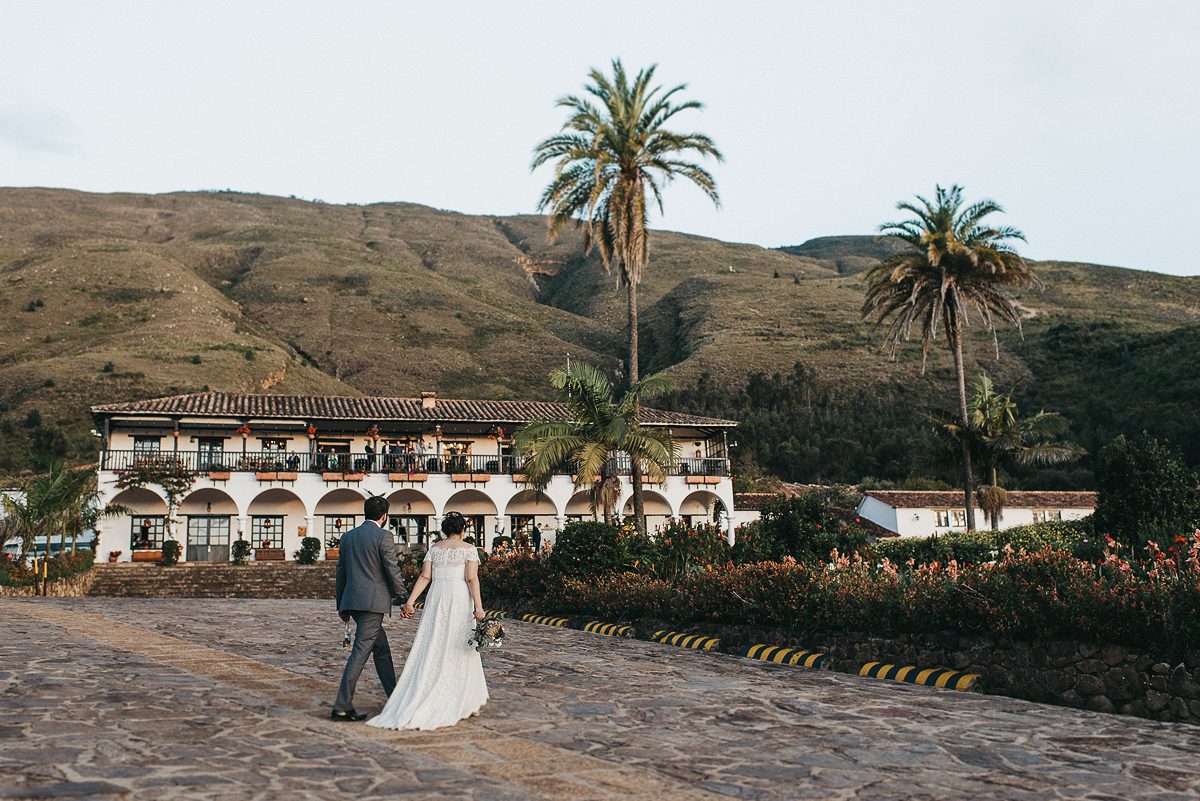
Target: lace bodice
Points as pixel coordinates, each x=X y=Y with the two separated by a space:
x=450 y=563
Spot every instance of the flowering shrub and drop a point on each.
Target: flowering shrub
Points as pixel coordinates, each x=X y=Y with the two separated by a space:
x=510 y=576
x=585 y=548
x=15 y=573
x=976 y=547
x=680 y=549
x=1041 y=594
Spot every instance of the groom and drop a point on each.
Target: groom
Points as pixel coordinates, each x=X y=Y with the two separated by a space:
x=368 y=579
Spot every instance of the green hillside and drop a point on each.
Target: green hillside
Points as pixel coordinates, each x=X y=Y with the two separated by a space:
x=112 y=297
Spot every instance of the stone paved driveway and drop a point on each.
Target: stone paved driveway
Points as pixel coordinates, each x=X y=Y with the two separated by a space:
x=209 y=699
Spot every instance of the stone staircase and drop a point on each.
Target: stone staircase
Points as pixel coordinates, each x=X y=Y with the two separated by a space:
x=206 y=580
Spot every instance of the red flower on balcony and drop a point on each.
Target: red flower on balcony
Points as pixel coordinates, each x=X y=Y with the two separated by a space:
x=373 y=432
x=244 y=430
x=312 y=431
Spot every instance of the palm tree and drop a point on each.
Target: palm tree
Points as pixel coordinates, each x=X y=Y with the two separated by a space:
x=597 y=431
x=956 y=263
x=614 y=149
x=1001 y=435
x=54 y=501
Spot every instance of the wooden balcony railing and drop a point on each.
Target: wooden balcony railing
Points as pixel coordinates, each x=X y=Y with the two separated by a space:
x=305 y=462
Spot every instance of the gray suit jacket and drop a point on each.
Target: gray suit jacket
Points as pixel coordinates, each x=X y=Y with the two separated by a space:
x=368 y=576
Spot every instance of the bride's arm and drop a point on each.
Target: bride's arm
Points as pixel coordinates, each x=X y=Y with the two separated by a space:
x=473 y=585
x=418 y=587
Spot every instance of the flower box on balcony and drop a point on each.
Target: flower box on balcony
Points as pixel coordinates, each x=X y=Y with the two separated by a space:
x=481 y=478
x=219 y=475
x=353 y=476
x=331 y=554
x=703 y=479
x=269 y=554
x=414 y=477
x=460 y=478
x=520 y=478
x=595 y=479
x=263 y=475
x=287 y=475
x=147 y=555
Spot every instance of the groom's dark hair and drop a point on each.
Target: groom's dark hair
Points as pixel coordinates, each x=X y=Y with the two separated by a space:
x=376 y=507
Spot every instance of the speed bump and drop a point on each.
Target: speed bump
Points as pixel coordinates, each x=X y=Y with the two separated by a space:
x=697 y=642
x=612 y=629
x=545 y=620
x=929 y=677
x=786 y=656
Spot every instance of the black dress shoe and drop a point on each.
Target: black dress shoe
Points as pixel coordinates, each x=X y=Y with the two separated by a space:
x=347 y=715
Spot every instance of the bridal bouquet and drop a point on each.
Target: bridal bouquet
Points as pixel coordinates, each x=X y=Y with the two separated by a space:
x=487 y=634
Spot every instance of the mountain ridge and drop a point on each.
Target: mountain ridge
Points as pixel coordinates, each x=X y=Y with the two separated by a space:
x=144 y=295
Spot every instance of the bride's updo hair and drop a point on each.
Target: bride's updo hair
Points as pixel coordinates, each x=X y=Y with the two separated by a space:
x=453 y=524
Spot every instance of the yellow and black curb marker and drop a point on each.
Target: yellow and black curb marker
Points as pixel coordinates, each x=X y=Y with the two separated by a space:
x=697 y=642
x=545 y=620
x=930 y=677
x=612 y=629
x=786 y=656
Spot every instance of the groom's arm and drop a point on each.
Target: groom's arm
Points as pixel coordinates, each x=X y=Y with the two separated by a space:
x=341 y=582
x=391 y=568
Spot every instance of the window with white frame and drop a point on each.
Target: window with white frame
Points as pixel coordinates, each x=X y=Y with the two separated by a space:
x=941 y=518
x=958 y=518
x=274 y=444
x=1046 y=515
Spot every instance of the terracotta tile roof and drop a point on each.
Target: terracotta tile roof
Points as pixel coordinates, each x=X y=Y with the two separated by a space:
x=315 y=407
x=952 y=499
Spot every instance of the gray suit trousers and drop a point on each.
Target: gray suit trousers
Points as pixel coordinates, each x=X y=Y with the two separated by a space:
x=369 y=640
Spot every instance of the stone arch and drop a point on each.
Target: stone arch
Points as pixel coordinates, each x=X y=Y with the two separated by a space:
x=338 y=511
x=658 y=509
x=209 y=501
x=703 y=506
x=279 y=502
x=411 y=514
x=144 y=521
x=528 y=508
x=480 y=511
x=580 y=504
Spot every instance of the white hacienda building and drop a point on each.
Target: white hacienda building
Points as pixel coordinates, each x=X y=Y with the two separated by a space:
x=918 y=513
x=272 y=469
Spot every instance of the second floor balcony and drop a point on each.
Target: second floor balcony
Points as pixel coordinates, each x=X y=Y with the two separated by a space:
x=298 y=462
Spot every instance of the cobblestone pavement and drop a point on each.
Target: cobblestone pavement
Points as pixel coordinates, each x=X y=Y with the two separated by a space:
x=210 y=699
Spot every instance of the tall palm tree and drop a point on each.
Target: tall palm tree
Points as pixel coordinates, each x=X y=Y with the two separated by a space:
x=956 y=264
x=1001 y=434
x=597 y=431
x=613 y=149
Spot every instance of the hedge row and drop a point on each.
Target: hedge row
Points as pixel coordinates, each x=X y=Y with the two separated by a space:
x=1041 y=594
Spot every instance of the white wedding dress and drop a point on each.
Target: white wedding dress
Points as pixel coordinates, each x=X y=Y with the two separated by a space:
x=442 y=681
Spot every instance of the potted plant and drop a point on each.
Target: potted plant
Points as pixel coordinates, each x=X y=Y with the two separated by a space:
x=113 y=556
x=310 y=549
x=170 y=553
x=332 y=544
x=240 y=552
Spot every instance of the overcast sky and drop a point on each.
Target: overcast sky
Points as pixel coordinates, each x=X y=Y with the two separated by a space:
x=1081 y=118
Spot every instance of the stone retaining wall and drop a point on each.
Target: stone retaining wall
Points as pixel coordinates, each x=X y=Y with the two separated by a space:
x=1102 y=678
x=75 y=586
x=215 y=580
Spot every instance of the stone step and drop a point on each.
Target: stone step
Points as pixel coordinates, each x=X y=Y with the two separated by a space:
x=285 y=580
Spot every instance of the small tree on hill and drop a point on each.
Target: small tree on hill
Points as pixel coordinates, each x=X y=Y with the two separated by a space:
x=1146 y=492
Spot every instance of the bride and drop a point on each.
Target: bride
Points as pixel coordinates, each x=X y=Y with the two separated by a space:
x=442 y=682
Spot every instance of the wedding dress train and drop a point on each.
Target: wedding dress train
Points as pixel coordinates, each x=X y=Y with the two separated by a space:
x=442 y=681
